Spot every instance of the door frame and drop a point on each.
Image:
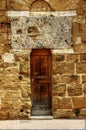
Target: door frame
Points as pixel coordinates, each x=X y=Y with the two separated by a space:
x=50 y=54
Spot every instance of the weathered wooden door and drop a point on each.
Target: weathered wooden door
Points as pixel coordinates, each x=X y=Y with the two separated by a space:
x=41 y=81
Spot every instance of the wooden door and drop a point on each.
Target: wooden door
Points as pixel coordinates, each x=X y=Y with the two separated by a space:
x=41 y=82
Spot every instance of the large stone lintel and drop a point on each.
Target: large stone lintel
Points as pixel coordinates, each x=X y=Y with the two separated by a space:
x=27 y=13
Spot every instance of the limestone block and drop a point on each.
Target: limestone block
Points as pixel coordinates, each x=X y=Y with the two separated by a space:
x=54 y=103
x=13 y=115
x=25 y=68
x=3 y=18
x=83 y=56
x=63 y=68
x=82 y=114
x=17 y=104
x=75 y=28
x=84 y=87
x=10 y=85
x=8 y=57
x=76 y=38
x=6 y=106
x=65 y=103
x=64 y=113
x=3 y=38
x=72 y=57
x=23 y=116
x=83 y=36
x=59 y=58
x=13 y=5
x=10 y=78
x=26 y=105
x=12 y=94
x=80 y=47
x=26 y=91
x=81 y=67
x=75 y=90
x=11 y=70
x=66 y=79
x=2 y=93
x=3 y=115
x=2 y=5
x=79 y=19
x=79 y=102
x=84 y=78
x=83 y=28
x=59 y=90
x=1 y=48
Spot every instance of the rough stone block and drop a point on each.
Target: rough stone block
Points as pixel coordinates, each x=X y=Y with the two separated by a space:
x=26 y=91
x=59 y=58
x=13 y=115
x=76 y=38
x=65 y=103
x=80 y=47
x=84 y=88
x=12 y=94
x=54 y=103
x=2 y=5
x=79 y=102
x=83 y=56
x=79 y=19
x=3 y=115
x=84 y=78
x=81 y=67
x=75 y=28
x=74 y=90
x=83 y=28
x=10 y=78
x=62 y=113
x=8 y=57
x=59 y=90
x=72 y=57
x=82 y=114
x=83 y=36
x=66 y=79
x=25 y=68
x=63 y=68
x=1 y=48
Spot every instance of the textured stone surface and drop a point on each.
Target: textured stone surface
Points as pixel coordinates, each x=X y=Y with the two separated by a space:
x=53 y=32
x=66 y=79
x=83 y=78
x=63 y=68
x=65 y=103
x=74 y=89
x=81 y=67
x=82 y=114
x=60 y=113
x=79 y=102
x=59 y=90
x=72 y=58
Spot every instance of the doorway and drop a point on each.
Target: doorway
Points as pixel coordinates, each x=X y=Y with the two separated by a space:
x=41 y=82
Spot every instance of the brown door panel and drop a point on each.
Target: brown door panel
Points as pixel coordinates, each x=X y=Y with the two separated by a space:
x=41 y=81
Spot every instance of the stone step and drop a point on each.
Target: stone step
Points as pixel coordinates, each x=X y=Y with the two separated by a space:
x=41 y=117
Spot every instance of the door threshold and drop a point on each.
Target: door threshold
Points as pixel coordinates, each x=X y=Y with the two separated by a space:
x=41 y=117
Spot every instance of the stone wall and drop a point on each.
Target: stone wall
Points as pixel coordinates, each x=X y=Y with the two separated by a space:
x=68 y=68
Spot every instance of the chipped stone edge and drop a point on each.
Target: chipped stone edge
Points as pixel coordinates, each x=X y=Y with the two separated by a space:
x=28 y=13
